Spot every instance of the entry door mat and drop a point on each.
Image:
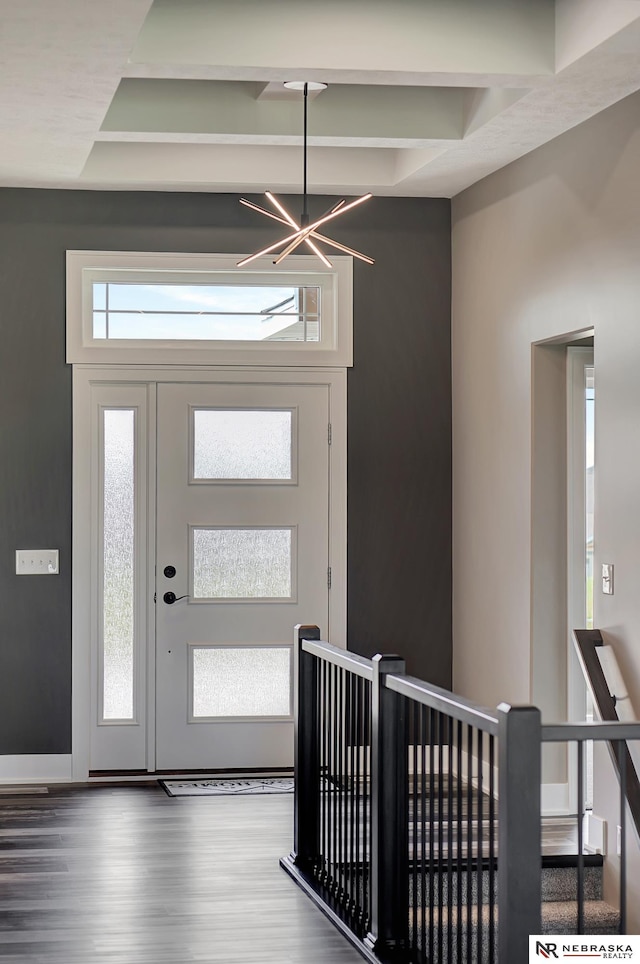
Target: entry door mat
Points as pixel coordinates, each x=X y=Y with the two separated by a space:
x=226 y=788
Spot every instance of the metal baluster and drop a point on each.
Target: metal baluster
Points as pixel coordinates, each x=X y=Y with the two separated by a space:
x=580 y=869
x=469 y=836
x=350 y=767
x=367 y=802
x=450 y=819
x=322 y=668
x=459 y=827
x=340 y=784
x=440 y=836
x=346 y=864
x=423 y=828
x=336 y=783
x=355 y=800
x=479 y=857
x=327 y=774
x=317 y=868
x=346 y=793
x=432 y=794
x=332 y=769
x=414 y=804
x=346 y=854
x=360 y=880
x=622 y=757
x=492 y=850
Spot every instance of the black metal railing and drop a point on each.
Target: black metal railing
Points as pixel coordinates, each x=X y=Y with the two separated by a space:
x=417 y=813
x=333 y=828
x=452 y=816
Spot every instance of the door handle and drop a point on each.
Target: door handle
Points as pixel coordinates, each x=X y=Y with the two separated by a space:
x=170 y=598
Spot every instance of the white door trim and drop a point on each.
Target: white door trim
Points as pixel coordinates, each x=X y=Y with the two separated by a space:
x=577 y=360
x=86 y=376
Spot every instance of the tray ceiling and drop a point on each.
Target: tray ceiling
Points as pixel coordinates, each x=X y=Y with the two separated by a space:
x=425 y=97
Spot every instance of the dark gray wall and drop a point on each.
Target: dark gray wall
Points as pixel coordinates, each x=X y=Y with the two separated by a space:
x=399 y=424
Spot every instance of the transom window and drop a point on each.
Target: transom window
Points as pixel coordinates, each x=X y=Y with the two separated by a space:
x=205 y=312
x=144 y=308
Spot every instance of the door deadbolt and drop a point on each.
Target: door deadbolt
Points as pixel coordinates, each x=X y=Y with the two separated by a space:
x=169 y=571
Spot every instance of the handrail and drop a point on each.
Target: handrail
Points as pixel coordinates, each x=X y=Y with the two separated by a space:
x=397 y=822
x=587 y=641
x=339 y=657
x=443 y=700
x=568 y=732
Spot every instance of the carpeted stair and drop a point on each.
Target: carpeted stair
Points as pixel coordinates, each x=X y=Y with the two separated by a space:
x=559 y=907
x=559 y=897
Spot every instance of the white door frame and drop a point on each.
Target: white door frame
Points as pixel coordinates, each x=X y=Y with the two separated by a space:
x=85 y=377
x=577 y=360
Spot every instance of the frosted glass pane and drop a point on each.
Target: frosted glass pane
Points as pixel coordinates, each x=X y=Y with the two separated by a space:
x=231 y=444
x=241 y=563
x=118 y=585
x=241 y=682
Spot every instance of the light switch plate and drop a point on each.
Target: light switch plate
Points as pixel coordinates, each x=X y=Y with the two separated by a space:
x=37 y=562
x=607 y=578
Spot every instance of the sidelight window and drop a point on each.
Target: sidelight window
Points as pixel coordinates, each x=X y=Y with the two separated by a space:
x=118 y=564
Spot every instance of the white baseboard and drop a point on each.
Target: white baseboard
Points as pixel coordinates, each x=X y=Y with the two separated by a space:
x=555 y=799
x=36 y=768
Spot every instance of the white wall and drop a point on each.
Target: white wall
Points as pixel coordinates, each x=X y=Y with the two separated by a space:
x=547 y=246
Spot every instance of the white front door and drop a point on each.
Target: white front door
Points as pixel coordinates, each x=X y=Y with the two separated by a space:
x=242 y=536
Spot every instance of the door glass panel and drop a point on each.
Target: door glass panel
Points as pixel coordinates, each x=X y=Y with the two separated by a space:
x=234 y=563
x=241 y=681
x=242 y=444
x=118 y=565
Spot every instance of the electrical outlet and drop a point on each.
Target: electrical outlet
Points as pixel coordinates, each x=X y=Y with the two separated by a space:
x=37 y=562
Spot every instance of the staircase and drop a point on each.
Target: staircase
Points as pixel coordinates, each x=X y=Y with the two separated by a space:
x=559 y=907
x=411 y=802
x=469 y=891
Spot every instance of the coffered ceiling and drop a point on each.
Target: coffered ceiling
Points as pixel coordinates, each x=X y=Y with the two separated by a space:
x=425 y=97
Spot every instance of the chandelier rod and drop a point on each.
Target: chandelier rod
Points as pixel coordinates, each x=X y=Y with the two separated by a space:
x=305 y=210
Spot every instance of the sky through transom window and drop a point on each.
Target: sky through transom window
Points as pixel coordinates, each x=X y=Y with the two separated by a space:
x=194 y=312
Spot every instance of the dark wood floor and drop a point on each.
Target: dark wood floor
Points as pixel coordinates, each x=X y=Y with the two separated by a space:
x=131 y=876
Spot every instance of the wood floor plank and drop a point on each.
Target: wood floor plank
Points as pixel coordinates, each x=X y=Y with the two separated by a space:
x=128 y=875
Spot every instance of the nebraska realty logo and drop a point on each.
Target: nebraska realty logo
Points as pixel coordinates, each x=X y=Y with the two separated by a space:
x=577 y=948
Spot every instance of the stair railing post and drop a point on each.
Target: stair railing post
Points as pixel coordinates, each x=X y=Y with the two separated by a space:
x=519 y=832
x=388 y=931
x=306 y=712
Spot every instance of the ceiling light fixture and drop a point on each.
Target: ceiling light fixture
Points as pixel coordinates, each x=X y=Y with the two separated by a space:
x=304 y=232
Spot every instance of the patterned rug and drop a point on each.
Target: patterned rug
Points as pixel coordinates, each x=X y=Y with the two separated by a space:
x=226 y=788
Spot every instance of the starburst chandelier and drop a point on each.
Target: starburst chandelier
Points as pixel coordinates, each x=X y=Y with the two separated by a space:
x=304 y=231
